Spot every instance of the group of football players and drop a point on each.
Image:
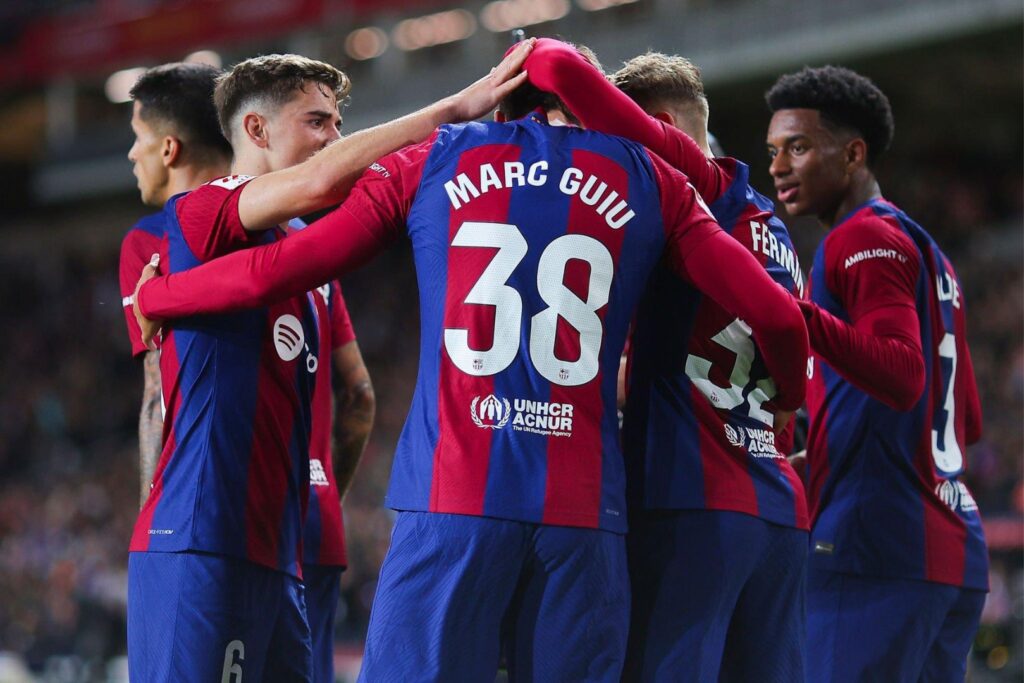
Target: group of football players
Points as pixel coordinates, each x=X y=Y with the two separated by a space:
x=590 y=216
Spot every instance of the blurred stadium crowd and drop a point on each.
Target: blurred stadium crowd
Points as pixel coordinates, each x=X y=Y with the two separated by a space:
x=68 y=462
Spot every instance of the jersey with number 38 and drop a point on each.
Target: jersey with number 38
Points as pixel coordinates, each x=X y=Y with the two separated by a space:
x=532 y=245
x=884 y=484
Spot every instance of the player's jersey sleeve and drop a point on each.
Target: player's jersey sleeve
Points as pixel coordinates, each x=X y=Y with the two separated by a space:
x=209 y=220
x=342 y=331
x=870 y=264
x=723 y=269
x=137 y=248
x=872 y=269
x=554 y=66
x=369 y=220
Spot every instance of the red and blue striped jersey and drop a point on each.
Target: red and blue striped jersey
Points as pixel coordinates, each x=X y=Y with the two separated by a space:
x=698 y=428
x=145 y=238
x=532 y=246
x=884 y=485
x=233 y=476
x=323 y=534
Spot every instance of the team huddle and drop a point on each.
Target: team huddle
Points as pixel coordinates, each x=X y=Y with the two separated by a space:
x=583 y=251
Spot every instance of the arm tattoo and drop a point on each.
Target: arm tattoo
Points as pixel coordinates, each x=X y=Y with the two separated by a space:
x=355 y=411
x=150 y=424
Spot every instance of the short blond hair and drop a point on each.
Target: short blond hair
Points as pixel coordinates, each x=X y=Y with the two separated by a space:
x=273 y=80
x=654 y=78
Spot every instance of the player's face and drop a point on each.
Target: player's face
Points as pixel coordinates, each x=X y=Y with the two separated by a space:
x=808 y=164
x=147 y=157
x=303 y=126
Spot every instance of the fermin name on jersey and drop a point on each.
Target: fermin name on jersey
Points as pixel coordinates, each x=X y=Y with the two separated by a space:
x=536 y=417
x=592 y=190
x=762 y=240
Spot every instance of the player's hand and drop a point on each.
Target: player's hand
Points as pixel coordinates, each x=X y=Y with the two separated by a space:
x=482 y=97
x=782 y=419
x=149 y=328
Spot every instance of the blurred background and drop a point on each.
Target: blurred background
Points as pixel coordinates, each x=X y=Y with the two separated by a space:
x=69 y=391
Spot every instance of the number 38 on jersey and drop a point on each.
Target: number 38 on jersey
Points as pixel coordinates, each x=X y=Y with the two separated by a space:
x=492 y=289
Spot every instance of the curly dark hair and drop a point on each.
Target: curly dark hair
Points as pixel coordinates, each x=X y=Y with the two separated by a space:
x=275 y=80
x=179 y=96
x=843 y=97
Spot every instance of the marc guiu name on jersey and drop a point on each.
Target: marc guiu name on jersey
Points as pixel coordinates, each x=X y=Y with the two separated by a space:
x=592 y=190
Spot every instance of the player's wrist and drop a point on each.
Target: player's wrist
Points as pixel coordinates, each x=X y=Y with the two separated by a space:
x=140 y=297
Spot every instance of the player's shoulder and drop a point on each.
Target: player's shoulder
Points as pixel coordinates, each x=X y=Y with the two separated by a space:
x=207 y=198
x=226 y=183
x=871 y=226
x=153 y=225
x=394 y=164
x=216 y=190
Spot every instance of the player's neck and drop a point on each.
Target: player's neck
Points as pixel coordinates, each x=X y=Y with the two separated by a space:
x=191 y=177
x=247 y=163
x=862 y=190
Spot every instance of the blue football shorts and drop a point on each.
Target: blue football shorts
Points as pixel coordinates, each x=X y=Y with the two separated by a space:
x=202 y=617
x=323 y=587
x=717 y=596
x=456 y=591
x=867 y=629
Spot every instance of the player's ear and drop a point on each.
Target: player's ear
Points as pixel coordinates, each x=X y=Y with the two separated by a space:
x=170 y=151
x=255 y=127
x=666 y=117
x=856 y=154
x=499 y=116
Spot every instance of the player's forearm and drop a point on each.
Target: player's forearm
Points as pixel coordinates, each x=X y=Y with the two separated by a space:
x=556 y=67
x=333 y=245
x=770 y=311
x=327 y=177
x=150 y=424
x=872 y=355
x=353 y=424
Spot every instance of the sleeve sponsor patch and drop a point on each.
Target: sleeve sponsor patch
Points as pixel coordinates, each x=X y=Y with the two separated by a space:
x=866 y=254
x=232 y=181
x=378 y=168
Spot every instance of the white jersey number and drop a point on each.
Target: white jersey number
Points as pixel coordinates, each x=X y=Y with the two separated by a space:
x=948 y=457
x=234 y=655
x=735 y=337
x=491 y=289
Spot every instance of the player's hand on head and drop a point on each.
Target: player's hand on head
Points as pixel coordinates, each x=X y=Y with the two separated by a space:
x=483 y=96
x=149 y=328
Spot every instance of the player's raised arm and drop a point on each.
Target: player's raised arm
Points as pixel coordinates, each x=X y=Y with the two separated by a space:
x=326 y=177
x=879 y=350
x=557 y=67
x=724 y=270
x=335 y=244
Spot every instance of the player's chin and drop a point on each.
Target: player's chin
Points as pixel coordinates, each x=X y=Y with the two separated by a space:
x=796 y=207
